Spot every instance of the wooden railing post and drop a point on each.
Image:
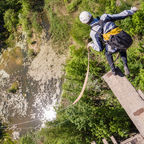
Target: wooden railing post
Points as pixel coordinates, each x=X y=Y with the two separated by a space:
x=113 y=140
x=105 y=141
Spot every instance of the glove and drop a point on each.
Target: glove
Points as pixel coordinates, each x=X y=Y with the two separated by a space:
x=90 y=44
x=134 y=9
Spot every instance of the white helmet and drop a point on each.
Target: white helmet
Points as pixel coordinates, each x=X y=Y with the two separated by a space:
x=85 y=17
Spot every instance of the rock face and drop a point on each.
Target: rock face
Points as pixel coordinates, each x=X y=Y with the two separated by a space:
x=47 y=65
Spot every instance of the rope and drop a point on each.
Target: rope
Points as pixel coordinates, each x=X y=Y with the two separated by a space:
x=85 y=82
x=86 y=78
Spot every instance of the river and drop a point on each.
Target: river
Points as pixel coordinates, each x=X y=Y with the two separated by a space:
x=39 y=87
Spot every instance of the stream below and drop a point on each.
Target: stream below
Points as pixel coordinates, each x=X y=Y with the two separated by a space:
x=38 y=92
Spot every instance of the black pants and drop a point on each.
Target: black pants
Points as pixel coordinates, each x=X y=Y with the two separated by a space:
x=110 y=58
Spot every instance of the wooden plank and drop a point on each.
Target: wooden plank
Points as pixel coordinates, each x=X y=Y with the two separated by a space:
x=93 y=142
x=105 y=141
x=137 y=139
x=113 y=140
x=128 y=98
x=141 y=94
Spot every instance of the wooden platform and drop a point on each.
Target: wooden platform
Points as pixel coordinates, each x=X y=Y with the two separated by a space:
x=128 y=97
x=136 y=139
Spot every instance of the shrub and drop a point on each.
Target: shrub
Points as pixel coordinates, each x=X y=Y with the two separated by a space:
x=27 y=139
x=10 y=19
x=14 y=87
x=31 y=53
x=36 y=22
x=73 y=5
x=80 y=32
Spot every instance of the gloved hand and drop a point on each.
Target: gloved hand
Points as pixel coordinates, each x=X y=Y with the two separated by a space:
x=89 y=45
x=134 y=9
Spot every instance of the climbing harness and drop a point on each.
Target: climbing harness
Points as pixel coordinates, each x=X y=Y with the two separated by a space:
x=114 y=31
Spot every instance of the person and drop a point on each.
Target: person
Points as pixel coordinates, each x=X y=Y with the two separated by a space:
x=107 y=26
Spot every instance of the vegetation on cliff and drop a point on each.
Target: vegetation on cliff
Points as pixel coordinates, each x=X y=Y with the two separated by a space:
x=98 y=114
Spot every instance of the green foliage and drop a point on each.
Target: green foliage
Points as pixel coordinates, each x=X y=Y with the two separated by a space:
x=5 y=137
x=59 y=23
x=10 y=19
x=24 y=18
x=136 y=60
x=73 y=5
x=98 y=114
x=141 y=82
x=60 y=133
x=59 y=28
x=138 y=23
x=31 y=53
x=76 y=67
x=52 y=3
x=27 y=139
x=30 y=18
x=80 y=32
x=35 y=22
x=91 y=6
x=135 y=24
x=14 y=87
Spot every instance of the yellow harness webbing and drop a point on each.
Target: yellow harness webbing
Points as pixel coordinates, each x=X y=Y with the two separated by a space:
x=114 y=31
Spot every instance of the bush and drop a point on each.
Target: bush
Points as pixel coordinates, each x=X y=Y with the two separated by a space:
x=14 y=87
x=10 y=19
x=35 y=22
x=80 y=32
x=27 y=139
x=31 y=53
x=73 y=5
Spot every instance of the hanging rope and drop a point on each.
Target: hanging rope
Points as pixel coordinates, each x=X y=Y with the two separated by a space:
x=85 y=82
x=86 y=79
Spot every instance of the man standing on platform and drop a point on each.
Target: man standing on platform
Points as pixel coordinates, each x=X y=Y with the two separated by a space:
x=104 y=30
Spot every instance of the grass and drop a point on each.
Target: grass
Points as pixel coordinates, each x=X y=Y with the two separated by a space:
x=73 y=6
x=31 y=53
x=80 y=32
x=36 y=22
x=14 y=87
x=59 y=28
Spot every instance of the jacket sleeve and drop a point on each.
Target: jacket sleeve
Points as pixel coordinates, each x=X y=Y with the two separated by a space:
x=96 y=44
x=119 y=16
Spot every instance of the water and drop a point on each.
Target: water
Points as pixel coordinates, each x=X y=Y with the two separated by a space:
x=33 y=103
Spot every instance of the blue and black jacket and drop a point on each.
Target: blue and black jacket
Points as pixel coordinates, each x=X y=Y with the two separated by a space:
x=107 y=26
